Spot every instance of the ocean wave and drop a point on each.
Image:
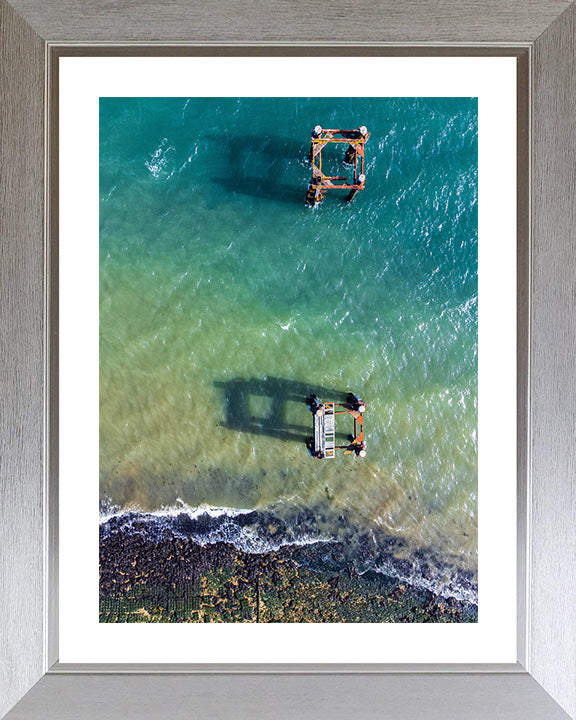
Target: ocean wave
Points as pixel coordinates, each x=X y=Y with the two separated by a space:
x=108 y=511
x=161 y=161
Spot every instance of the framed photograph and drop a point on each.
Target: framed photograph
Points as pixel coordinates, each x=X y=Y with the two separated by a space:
x=242 y=565
x=217 y=503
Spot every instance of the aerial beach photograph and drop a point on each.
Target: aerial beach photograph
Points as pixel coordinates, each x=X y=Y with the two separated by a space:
x=288 y=360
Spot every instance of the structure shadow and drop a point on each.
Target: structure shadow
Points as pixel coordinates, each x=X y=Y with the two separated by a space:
x=260 y=167
x=239 y=395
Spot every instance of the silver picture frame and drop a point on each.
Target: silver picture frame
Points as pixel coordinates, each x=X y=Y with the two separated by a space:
x=542 y=684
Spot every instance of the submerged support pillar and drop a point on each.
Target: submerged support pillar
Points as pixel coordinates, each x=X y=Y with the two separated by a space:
x=350 y=155
x=314 y=192
x=359 y=186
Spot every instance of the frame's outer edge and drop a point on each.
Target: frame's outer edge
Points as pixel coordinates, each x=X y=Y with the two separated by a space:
x=288 y=697
x=552 y=611
x=21 y=357
x=273 y=21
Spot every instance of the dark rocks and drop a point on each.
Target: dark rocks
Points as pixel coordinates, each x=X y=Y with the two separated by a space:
x=198 y=568
x=158 y=577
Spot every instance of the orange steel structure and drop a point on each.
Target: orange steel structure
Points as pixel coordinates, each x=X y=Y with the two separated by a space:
x=355 y=141
x=323 y=444
x=357 y=443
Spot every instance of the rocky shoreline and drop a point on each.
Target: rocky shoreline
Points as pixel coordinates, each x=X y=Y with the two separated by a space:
x=174 y=579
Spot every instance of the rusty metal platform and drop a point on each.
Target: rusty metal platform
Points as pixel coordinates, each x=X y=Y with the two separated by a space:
x=323 y=445
x=324 y=431
x=354 y=155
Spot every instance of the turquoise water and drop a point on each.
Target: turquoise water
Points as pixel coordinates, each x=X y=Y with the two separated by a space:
x=223 y=299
